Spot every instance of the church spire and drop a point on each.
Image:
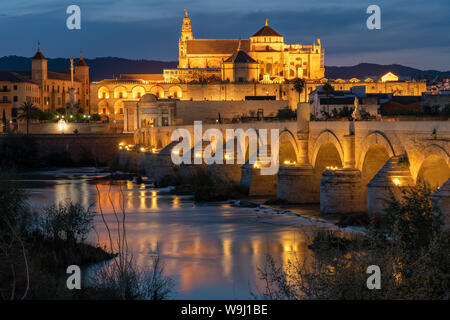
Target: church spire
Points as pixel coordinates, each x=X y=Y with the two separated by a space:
x=266 y=22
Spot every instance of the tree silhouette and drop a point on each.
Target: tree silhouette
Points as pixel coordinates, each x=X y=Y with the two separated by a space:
x=28 y=111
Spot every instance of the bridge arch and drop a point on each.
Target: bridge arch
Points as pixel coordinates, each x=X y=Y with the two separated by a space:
x=434 y=167
x=374 y=138
x=326 y=137
x=288 y=147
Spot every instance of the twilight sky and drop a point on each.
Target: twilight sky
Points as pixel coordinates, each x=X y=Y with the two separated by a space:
x=415 y=33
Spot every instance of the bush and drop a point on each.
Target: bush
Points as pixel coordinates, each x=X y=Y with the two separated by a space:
x=67 y=221
x=409 y=247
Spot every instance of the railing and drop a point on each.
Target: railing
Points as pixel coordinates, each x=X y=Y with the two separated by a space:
x=5 y=101
x=5 y=90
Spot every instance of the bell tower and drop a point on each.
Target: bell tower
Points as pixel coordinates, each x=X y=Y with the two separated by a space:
x=186 y=34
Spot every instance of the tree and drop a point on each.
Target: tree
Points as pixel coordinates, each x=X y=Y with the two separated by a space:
x=28 y=111
x=299 y=86
x=4 y=120
x=328 y=89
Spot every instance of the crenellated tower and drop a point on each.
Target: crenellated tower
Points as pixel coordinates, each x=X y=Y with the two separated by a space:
x=186 y=34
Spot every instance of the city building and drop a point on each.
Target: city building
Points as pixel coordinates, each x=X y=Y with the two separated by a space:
x=260 y=68
x=46 y=89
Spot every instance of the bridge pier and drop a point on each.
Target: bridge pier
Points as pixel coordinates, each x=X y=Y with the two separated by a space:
x=341 y=192
x=257 y=184
x=164 y=169
x=140 y=162
x=387 y=183
x=295 y=184
x=128 y=160
x=441 y=203
x=230 y=172
x=149 y=164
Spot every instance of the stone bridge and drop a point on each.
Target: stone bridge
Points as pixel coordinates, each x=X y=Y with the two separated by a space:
x=346 y=166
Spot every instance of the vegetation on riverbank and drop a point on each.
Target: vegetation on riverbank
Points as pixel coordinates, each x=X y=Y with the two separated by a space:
x=407 y=243
x=37 y=248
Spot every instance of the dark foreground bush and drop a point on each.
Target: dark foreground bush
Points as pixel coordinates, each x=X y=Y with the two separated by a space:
x=410 y=248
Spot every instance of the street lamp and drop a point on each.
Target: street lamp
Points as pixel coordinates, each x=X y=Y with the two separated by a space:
x=62 y=125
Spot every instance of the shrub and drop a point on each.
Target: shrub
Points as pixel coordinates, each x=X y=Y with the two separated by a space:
x=409 y=247
x=67 y=221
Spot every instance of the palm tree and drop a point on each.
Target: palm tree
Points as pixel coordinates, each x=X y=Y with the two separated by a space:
x=28 y=111
x=299 y=86
x=328 y=89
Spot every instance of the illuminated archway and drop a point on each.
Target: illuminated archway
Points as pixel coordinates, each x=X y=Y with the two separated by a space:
x=327 y=157
x=175 y=92
x=434 y=171
x=137 y=92
x=374 y=159
x=118 y=108
x=103 y=108
x=327 y=136
x=288 y=148
x=157 y=91
x=375 y=138
x=103 y=93
x=120 y=92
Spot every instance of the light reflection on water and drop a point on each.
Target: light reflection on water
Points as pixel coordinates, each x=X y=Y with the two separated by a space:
x=212 y=251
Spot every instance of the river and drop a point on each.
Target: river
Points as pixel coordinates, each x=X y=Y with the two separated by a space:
x=212 y=251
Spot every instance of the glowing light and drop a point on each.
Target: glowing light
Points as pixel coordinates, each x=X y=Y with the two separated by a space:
x=154 y=150
x=396 y=181
x=332 y=168
x=227 y=156
x=62 y=125
x=198 y=154
x=177 y=152
x=256 y=165
x=142 y=149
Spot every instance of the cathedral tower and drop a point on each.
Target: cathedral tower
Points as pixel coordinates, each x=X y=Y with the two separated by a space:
x=186 y=34
x=39 y=67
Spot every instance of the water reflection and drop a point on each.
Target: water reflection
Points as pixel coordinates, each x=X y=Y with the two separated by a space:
x=212 y=251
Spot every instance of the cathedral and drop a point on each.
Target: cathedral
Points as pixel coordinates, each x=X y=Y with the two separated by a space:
x=262 y=57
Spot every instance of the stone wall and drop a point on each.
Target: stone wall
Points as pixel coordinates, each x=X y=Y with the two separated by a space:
x=100 y=147
x=208 y=111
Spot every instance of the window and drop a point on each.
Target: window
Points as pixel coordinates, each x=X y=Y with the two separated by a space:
x=15 y=87
x=15 y=98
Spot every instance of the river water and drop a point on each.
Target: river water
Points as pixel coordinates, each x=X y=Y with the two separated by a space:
x=212 y=251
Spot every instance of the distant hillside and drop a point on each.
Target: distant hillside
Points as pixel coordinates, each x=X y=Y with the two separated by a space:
x=364 y=70
x=100 y=68
x=108 y=67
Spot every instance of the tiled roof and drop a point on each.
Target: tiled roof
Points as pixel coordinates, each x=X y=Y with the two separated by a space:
x=81 y=63
x=150 y=76
x=266 y=31
x=240 y=57
x=12 y=76
x=216 y=46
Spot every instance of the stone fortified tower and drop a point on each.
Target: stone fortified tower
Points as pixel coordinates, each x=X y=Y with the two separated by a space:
x=82 y=74
x=186 y=34
x=39 y=67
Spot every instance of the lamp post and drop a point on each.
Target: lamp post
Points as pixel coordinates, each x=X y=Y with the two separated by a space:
x=61 y=125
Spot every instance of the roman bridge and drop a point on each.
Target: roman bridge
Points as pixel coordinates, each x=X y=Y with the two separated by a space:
x=346 y=166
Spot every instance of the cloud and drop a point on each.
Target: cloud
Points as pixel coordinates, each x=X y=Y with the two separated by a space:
x=412 y=31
